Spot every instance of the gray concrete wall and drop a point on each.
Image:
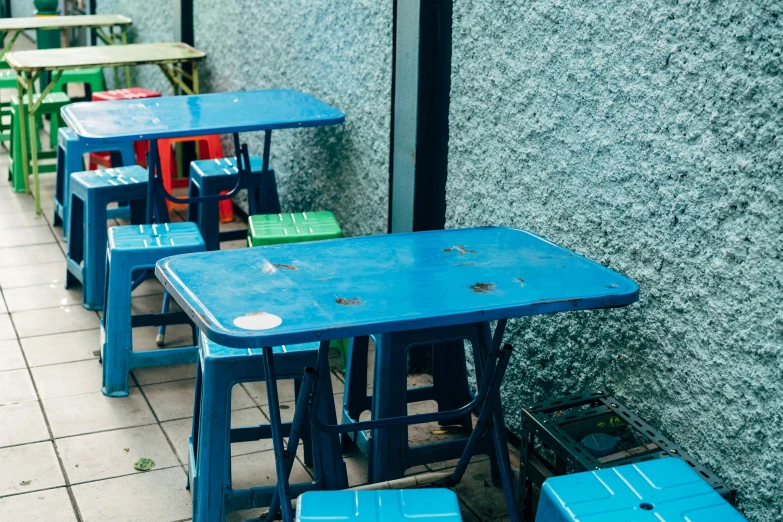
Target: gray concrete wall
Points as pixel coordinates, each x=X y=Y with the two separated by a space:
x=151 y=23
x=22 y=8
x=339 y=52
x=645 y=135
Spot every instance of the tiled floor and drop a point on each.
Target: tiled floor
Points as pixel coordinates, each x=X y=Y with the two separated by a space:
x=66 y=451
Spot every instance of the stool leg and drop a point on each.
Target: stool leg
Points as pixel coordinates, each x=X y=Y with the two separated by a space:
x=208 y=219
x=355 y=399
x=213 y=447
x=95 y=239
x=117 y=329
x=73 y=163
x=193 y=192
x=269 y=200
x=450 y=381
x=389 y=445
x=59 y=188
x=75 y=236
x=160 y=340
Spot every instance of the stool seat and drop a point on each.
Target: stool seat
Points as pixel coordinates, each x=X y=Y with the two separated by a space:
x=165 y=237
x=661 y=490
x=223 y=166
x=53 y=98
x=109 y=179
x=400 y=505
x=132 y=93
x=273 y=229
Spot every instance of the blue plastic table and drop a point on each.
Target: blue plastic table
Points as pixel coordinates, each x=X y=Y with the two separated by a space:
x=342 y=288
x=181 y=116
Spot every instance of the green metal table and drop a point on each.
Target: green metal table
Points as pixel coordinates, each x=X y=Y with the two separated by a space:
x=29 y=65
x=103 y=25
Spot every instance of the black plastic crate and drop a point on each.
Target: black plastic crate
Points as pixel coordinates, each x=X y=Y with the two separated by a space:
x=553 y=433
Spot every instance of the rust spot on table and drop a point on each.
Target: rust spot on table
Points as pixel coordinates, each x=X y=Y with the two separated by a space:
x=483 y=288
x=348 y=302
x=459 y=248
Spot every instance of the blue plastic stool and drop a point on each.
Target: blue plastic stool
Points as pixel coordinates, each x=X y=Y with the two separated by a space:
x=90 y=192
x=131 y=250
x=70 y=159
x=391 y=505
x=662 y=490
x=209 y=456
x=387 y=450
x=210 y=177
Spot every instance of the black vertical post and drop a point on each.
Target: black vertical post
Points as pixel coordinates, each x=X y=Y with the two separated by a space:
x=92 y=9
x=432 y=132
x=184 y=32
x=421 y=84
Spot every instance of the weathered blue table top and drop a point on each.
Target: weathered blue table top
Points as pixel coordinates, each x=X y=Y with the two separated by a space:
x=201 y=114
x=302 y=292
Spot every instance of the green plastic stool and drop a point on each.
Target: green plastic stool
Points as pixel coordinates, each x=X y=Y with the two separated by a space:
x=51 y=105
x=274 y=229
x=92 y=76
x=7 y=81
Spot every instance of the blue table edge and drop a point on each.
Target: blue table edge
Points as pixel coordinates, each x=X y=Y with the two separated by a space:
x=83 y=135
x=620 y=297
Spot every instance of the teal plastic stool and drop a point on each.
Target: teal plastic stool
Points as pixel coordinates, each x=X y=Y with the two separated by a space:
x=219 y=368
x=90 y=192
x=134 y=250
x=391 y=505
x=661 y=490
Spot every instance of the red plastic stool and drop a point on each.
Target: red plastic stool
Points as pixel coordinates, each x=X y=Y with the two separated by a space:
x=102 y=159
x=209 y=147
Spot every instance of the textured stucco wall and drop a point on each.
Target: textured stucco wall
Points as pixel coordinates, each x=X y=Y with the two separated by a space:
x=340 y=52
x=22 y=8
x=646 y=135
x=151 y=23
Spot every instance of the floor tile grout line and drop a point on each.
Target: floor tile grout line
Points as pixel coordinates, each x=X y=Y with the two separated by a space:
x=157 y=420
x=71 y=496
x=94 y=481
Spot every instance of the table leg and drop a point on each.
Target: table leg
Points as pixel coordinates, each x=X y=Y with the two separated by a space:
x=124 y=39
x=20 y=90
x=194 y=83
x=297 y=425
x=33 y=145
x=116 y=72
x=277 y=439
x=330 y=450
x=9 y=44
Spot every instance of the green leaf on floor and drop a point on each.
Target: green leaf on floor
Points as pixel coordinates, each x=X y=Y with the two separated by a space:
x=144 y=464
